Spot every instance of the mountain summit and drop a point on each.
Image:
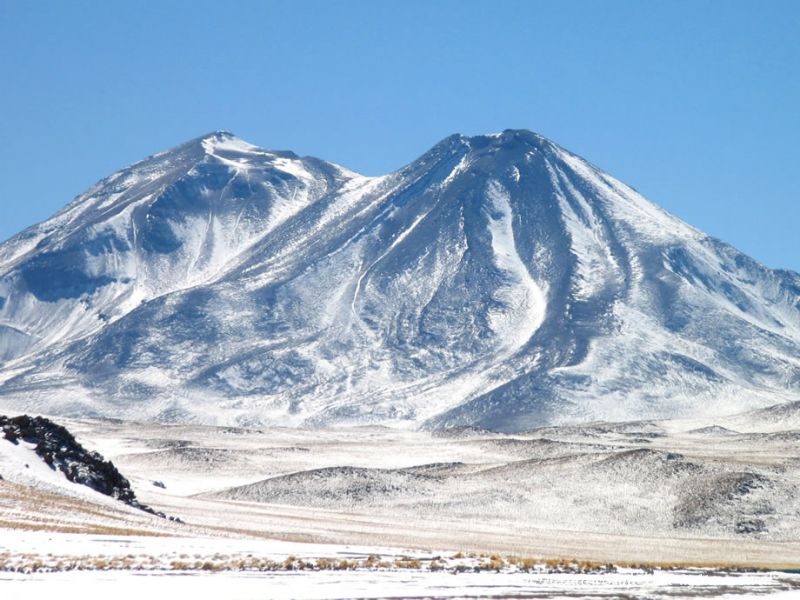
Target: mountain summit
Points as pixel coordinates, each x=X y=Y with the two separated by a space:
x=497 y=281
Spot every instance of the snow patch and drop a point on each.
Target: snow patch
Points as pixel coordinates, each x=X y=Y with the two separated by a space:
x=524 y=301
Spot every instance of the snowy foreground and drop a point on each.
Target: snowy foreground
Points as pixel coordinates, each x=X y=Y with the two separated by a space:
x=323 y=585
x=649 y=509
x=155 y=566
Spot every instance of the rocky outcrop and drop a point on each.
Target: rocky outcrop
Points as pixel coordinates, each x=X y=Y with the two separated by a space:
x=57 y=447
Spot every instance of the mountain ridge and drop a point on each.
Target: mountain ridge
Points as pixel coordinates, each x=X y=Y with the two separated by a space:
x=497 y=281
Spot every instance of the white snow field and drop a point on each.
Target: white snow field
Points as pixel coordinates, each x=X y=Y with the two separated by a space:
x=327 y=585
x=373 y=512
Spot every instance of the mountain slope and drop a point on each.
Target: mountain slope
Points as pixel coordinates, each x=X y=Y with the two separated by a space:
x=497 y=281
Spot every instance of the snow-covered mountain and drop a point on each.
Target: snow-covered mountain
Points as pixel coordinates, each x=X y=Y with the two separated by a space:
x=498 y=281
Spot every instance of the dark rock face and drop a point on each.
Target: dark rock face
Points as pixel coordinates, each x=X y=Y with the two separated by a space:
x=58 y=448
x=51 y=277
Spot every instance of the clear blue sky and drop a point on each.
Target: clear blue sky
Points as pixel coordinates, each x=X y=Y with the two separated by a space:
x=696 y=104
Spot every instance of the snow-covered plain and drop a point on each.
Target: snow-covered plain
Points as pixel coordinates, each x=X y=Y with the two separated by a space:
x=327 y=585
x=414 y=514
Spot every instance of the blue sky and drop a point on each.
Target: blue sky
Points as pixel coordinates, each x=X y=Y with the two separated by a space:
x=696 y=104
